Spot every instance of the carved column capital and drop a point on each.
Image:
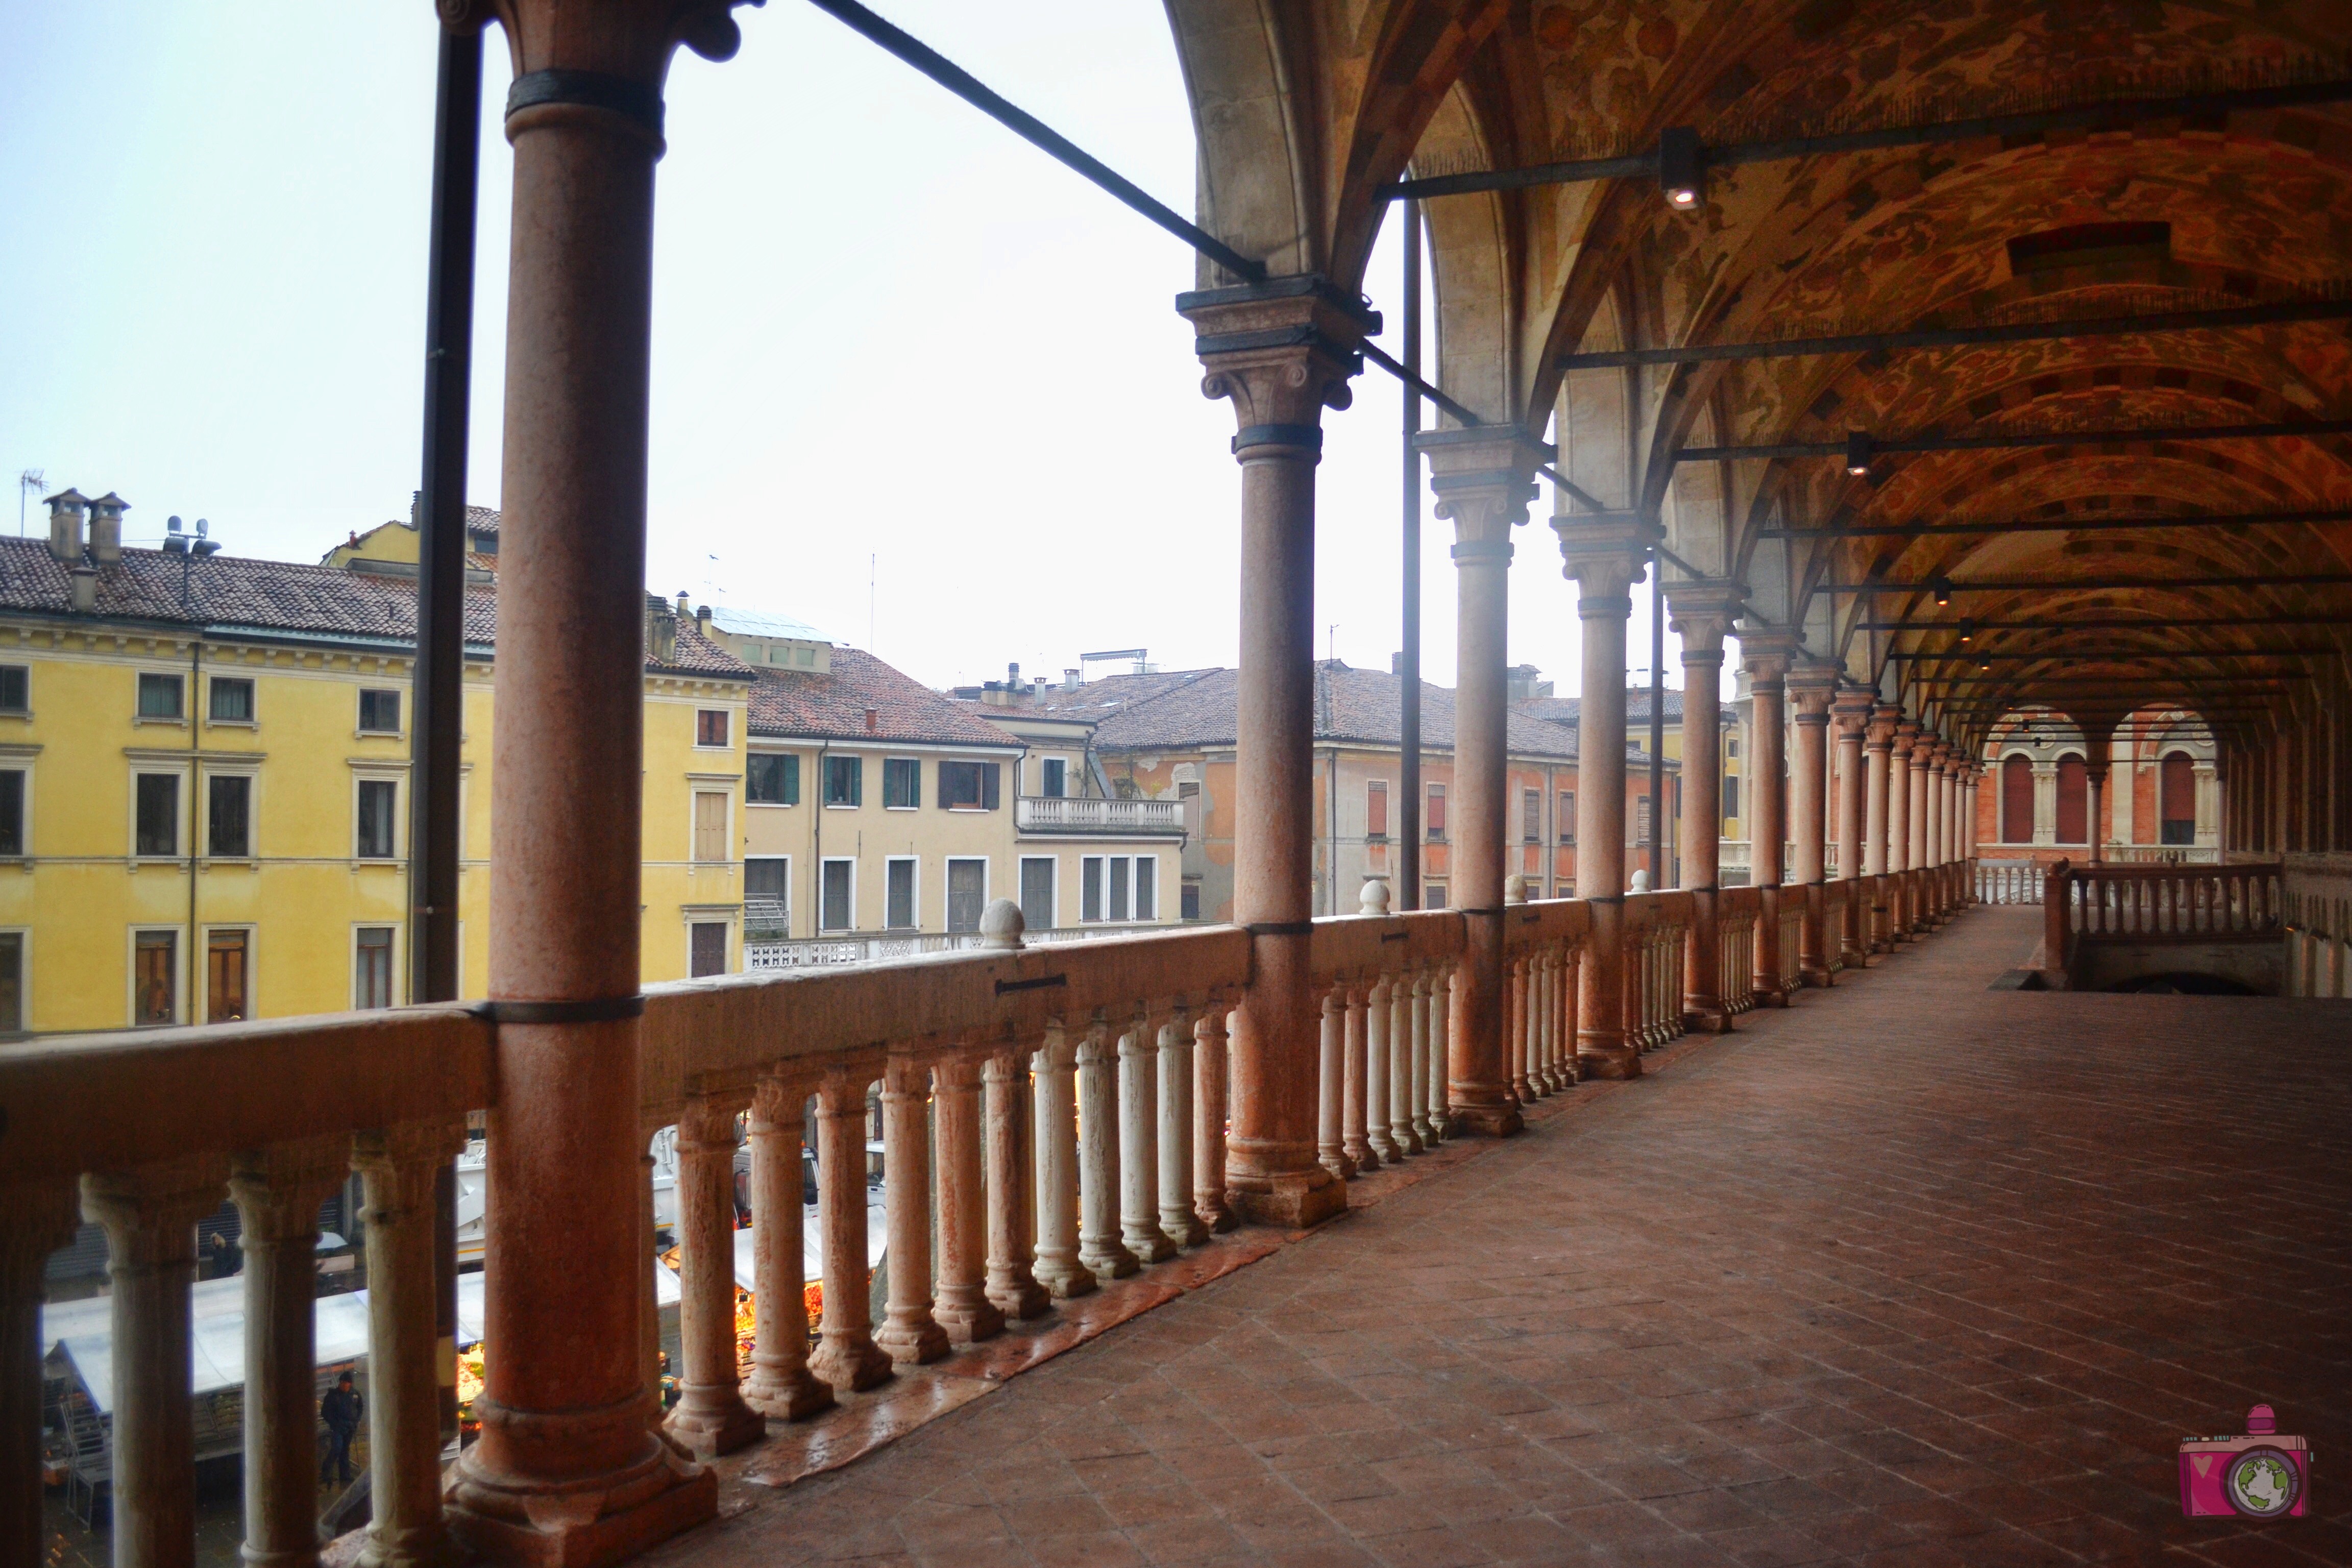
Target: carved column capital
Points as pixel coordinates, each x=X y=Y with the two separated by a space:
x=1885 y=717
x=1484 y=477
x=151 y=1214
x=1766 y=652
x=1283 y=351
x=1606 y=553
x=597 y=61
x=1812 y=688
x=279 y=1189
x=1702 y=613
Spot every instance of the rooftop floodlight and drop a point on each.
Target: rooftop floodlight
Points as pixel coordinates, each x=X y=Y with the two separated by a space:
x=205 y=545
x=1943 y=587
x=1678 y=166
x=1858 y=451
x=174 y=539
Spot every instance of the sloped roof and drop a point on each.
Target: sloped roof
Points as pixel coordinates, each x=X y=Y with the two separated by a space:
x=243 y=592
x=820 y=705
x=1097 y=699
x=1361 y=706
x=1563 y=710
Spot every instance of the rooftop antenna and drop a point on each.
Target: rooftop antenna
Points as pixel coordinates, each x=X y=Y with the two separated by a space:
x=189 y=548
x=27 y=483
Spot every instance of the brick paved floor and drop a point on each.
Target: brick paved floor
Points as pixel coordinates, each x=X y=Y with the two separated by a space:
x=1914 y=1272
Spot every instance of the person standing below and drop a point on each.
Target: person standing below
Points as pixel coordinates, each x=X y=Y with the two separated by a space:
x=340 y=1412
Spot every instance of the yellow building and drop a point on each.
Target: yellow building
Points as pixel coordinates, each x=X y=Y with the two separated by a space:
x=203 y=781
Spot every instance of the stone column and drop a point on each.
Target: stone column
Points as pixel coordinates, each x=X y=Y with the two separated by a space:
x=1209 y=1056
x=1058 y=1268
x=1425 y=1070
x=278 y=1192
x=399 y=1170
x=1605 y=553
x=1851 y=715
x=1766 y=651
x=1281 y=351
x=1139 y=1144
x=908 y=1334
x=1400 y=1113
x=1340 y=1094
x=1878 y=748
x=1923 y=759
x=959 y=1300
x=1355 y=1129
x=1939 y=823
x=41 y=1217
x=1099 y=1247
x=151 y=1217
x=1899 y=832
x=847 y=1355
x=1009 y=1137
x=1177 y=1223
x=1482 y=475
x=1701 y=616
x=567 y=1467
x=2096 y=780
x=781 y=1383
x=710 y=1418
x=1811 y=689
x=1377 y=1077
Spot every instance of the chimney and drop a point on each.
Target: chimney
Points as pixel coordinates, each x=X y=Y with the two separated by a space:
x=702 y=621
x=1013 y=675
x=661 y=634
x=66 y=510
x=682 y=611
x=106 y=528
x=85 y=587
x=873 y=719
x=1069 y=679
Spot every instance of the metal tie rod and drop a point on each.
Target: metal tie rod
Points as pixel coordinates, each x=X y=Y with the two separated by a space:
x=1028 y=126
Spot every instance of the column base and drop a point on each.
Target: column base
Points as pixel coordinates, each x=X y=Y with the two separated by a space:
x=967 y=1314
x=1815 y=977
x=1608 y=1062
x=866 y=1366
x=1021 y=1299
x=793 y=1397
x=1147 y=1241
x=1064 y=1279
x=1707 y=1020
x=913 y=1343
x=728 y=1424
x=1485 y=1121
x=1182 y=1227
x=1113 y=1262
x=583 y=1524
x=1291 y=1200
x=1339 y=1165
x=1214 y=1214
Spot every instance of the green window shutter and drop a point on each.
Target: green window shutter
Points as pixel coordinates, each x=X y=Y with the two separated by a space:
x=857 y=781
x=791 y=780
x=988 y=787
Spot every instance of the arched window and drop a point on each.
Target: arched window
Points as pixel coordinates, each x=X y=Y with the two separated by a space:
x=2017 y=801
x=2176 y=798
x=2073 y=800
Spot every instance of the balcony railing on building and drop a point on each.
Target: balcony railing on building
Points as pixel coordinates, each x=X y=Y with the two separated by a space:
x=769 y=952
x=1074 y=814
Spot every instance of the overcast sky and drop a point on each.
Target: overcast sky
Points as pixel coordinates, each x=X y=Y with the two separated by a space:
x=891 y=339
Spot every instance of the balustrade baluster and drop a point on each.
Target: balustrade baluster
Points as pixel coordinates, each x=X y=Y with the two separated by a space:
x=1138 y=1143
x=1182 y=1227
x=1099 y=1247
x=1014 y=1196
x=1441 y=1051
x=959 y=1301
x=1335 y=1091
x=1210 y=1065
x=710 y=1417
x=1376 y=1074
x=1515 y=1029
x=1059 y=1266
x=846 y=1356
x=781 y=1383
x=1424 y=1067
x=1355 y=1141
x=908 y=1334
x=1401 y=1119
x=278 y=1192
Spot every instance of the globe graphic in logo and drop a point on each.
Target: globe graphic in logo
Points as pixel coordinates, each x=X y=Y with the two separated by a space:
x=2262 y=1483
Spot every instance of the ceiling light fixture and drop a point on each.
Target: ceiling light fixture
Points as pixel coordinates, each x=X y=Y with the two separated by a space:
x=1943 y=587
x=1858 y=453
x=1679 y=173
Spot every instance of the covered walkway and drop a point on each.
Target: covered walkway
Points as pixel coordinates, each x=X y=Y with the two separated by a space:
x=1914 y=1272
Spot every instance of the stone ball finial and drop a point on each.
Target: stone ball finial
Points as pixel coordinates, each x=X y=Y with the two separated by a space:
x=1641 y=880
x=1374 y=899
x=1001 y=924
x=1515 y=888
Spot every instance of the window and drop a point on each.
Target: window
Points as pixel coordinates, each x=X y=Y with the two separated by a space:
x=706 y=946
x=1531 y=816
x=838 y=896
x=1566 y=806
x=1731 y=745
x=159 y=697
x=767 y=893
x=1433 y=821
x=773 y=778
x=967 y=893
x=12 y=982
x=1119 y=888
x=1038 y=879
x=968 y=786
x=228 y=830
x=380 y=711
x=710 y=825
x=1147 y=887
x=1641 y=819
x=2073 y=800
x=845 y=781
x=232 y=699
x=1188 y=899
x=226 y=968
x=1090 y=888
x=1119 y=868
x=376 y=835
x=159 y=814
x=12 y=811
x=1731 y=797
x=1432 y=895
x=154 y=977
x=898 y=894
x=15 y=688
x=1053 y=778
x=2176 y=782
x=371 y=967
x=1376 y=810
x=2017 y=801
x=902 y=783
x=710 y=729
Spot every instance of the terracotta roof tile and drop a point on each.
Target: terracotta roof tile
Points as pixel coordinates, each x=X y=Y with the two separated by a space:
x=832 y=706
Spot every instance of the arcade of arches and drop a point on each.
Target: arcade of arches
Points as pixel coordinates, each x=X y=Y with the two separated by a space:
x=2011 y=455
